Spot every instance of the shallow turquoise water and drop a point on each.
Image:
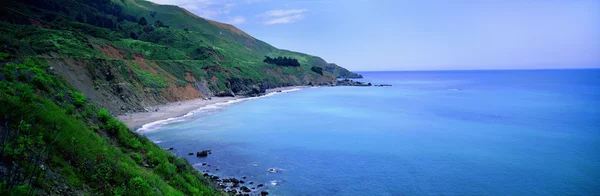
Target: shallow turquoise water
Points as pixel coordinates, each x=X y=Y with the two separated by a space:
x=432 y=133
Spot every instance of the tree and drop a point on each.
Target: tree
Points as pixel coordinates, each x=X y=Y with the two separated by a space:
x=143 y=21
x=158 y=23
x=318 y=70
x=282 y=61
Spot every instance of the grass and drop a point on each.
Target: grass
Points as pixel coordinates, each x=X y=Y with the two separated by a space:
x=90 y=149
x=149 y=79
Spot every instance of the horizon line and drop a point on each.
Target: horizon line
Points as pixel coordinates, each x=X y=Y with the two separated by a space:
x=407 y=70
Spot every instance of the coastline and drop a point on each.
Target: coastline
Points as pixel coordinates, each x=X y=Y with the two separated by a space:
x=165 y=112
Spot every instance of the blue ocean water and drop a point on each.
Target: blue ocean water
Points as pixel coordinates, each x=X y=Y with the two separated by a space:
x=534 y=132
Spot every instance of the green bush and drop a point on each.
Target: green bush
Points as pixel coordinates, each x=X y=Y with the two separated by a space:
x=103 y=115
x=78 y=98
x=137 y=158
x=59 y=96
x=113 y=126
x=138 y=187
x=70 y=109
x=317 y=70
x=4 y=55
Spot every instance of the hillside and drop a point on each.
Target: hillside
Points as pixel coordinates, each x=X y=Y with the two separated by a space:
x=135 y=54
x=68 y=66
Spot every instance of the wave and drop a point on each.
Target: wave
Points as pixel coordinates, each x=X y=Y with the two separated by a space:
x=157 y=124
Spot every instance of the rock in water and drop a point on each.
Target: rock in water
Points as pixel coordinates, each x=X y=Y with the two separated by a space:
x=245 y=189
x=203 y=153
x=264 y=193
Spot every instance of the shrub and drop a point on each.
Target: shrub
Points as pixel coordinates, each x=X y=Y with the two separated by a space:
x=165 y=169
x=113 y=125
x=103 y=115
x=137 y=158
x=59 y=96
x=70 y=109
x=138 y=186
x=317 y=70
x=78 y=98
x=143 y=21
x=4 y=55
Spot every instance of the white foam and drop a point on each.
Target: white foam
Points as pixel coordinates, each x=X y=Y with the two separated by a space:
x=157 y=124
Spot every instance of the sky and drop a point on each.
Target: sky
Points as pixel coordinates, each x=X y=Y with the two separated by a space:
x=378 y=35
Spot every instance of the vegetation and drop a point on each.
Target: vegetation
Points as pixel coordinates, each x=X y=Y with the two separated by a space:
x=46 y=147
x=52 y=136
x=285 y=61
x=317 y=70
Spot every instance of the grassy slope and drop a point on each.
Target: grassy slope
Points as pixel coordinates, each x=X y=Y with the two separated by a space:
x=72 y=29
x=53 y=138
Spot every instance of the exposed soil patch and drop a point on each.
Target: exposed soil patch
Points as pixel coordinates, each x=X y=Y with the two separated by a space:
x=140 y=61
x=189 y=77
x=294 y=78
x=110 y=51
x=176 y=93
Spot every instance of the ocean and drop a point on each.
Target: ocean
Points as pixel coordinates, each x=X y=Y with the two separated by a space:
x=526 y=132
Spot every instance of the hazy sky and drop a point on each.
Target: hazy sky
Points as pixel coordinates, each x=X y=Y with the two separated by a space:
x=415 y=35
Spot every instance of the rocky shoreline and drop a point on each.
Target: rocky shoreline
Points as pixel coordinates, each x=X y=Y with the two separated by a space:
x=242 y=186
x=348 y=82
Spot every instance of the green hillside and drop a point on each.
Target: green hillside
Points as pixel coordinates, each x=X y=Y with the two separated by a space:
x=68 y=66
x=160 y=53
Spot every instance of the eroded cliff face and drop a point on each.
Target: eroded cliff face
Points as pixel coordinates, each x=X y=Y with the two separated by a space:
x=123 y=85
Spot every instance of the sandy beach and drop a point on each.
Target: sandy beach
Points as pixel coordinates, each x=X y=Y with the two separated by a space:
x=176 y=109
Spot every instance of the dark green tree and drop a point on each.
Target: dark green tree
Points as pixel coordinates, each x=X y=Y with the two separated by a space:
x=317 y=70
x=158 y=23
x=143 y=21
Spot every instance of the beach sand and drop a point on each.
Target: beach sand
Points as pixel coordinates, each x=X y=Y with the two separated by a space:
x=136 y=120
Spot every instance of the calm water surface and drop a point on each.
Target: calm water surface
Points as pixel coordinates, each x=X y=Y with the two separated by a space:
x=431 y=133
